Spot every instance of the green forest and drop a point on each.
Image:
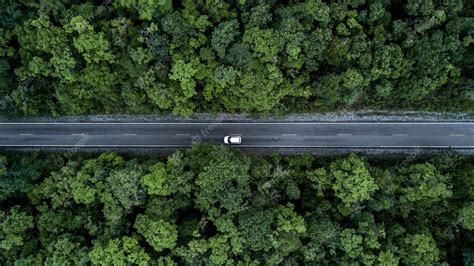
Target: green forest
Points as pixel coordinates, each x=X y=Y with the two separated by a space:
x=215 y=205
x=260 y=56
x=212 y=205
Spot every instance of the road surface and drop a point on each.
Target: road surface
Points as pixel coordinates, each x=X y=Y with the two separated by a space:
x=255 y=135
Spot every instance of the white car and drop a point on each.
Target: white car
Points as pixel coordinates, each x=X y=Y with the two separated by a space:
x=232 y=140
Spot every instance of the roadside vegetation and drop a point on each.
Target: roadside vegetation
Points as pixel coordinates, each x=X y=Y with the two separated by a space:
x=213 y=205
x=162 y=56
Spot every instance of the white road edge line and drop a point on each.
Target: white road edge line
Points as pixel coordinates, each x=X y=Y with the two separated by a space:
x=238 y=123
x=242 y=146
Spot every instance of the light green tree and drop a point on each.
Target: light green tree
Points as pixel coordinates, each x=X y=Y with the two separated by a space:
x=419 y=249
x=156 y=181
x=148 y=8
x=224 y=184
x=14 y=227
x=159 y=233
x=352 y=180
x=466 y=216
x=424 y=184
x=119 y=252
x=93 y=46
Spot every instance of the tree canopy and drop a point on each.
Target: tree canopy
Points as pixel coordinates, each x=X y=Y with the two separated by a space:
x=215 y=205
x=162 y=56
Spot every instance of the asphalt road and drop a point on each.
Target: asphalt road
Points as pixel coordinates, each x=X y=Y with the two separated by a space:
x=256 y=135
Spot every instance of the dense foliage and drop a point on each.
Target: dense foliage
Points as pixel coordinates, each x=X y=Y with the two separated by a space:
x=162 y=56
x=212 y=205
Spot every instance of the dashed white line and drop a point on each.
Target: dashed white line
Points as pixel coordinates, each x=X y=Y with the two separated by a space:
x=182 y=135
x=344 y=135
x=129 y=134
x=457 y=135
x=399 y=135
x=289 y=135
x=26 y=134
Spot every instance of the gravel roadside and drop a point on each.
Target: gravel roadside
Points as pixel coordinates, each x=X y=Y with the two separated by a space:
x=205 y=117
